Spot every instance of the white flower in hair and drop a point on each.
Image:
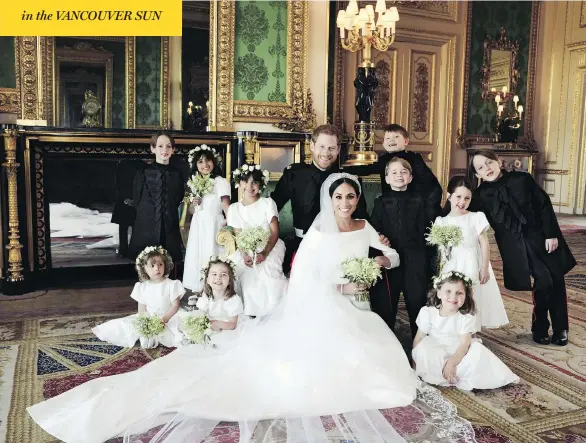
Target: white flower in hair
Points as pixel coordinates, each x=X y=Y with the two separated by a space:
x=215 y=258
x=257 y=167
x=148 y=250
x=265 y=173
x=437 y=281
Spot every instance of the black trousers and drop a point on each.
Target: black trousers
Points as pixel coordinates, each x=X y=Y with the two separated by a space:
x=410 y=279
x=549 y=296
x=123 y=240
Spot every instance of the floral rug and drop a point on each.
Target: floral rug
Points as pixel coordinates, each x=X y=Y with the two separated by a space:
x=42 y=357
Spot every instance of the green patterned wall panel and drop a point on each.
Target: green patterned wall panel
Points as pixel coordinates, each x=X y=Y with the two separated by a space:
x=118 y=75
x=487 y=19
x=7 y=63
x=148 y=81
x=260 y=55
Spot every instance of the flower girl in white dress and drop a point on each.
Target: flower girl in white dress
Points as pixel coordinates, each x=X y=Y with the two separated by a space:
x=219 y=300
x=207 y=219
x=472 y=256
x=156 y=294
x=444 y=351
x=260 y=274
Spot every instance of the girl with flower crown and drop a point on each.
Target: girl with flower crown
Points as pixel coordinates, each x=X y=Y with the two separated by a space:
x=208 y=214
x=444 y=351
x=472 y=256
x=218 y=299
x=260 y=273
x=157 y=295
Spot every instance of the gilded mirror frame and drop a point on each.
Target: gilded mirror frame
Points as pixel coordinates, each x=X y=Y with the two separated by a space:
x=224 y=110
x=464 y=138
x=48 y=76
x=501 y=44
x=84 y=54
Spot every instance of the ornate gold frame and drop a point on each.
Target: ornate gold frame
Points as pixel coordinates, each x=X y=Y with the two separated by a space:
x=32 y=107
x=223 y=108
x=465 y=140
x=96 y=58
x=503 y=44
x=10 y=97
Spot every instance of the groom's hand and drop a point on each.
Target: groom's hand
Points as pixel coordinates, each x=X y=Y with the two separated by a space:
x=385 y=241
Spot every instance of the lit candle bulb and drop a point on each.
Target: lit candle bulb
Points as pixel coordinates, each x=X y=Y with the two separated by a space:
x=501 y=109
x=492 y=89
x=505 y=89
x=520 y=110
x=516 y=99
x=497 y=99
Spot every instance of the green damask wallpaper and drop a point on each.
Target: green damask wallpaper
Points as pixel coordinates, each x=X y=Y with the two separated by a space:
x=148 y=81
x=7 y=63
x=260 y=56
x=487 y=19
x=118 y=75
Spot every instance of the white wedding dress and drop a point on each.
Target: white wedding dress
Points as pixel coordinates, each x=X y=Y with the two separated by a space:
x=315 y=356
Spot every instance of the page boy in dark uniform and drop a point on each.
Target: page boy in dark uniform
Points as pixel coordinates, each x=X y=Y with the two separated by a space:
x=401 y=216
x=530 y=242
x=301 y=184
x=424 y=182
x=158 y=190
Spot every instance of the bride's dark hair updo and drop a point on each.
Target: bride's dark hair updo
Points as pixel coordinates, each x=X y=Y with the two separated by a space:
x=341 y=181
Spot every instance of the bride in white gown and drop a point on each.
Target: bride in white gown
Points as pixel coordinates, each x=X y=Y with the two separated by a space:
x=315 y=355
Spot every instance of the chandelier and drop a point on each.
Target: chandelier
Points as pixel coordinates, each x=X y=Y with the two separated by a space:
x=365 y=30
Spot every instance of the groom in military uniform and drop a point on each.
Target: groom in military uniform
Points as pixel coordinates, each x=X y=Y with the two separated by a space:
x=301 y=184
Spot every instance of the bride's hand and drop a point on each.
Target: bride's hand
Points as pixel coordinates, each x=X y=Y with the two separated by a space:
x=352 y=288
x=260 y=257
x=247 y=260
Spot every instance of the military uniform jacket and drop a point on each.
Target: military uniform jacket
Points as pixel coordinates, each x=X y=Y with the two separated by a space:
x=158 y=190
x=401 y=216
x=522 y=217
x=301 y=184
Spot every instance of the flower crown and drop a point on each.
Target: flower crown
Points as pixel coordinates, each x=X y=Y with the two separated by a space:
x=147 y=251
x=191 y=154
x=250 y=167
x=215 y=258
x=437 y=281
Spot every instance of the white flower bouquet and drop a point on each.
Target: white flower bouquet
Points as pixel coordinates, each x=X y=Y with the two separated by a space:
x=252 y=240
x=445 y=237
x=148 y=326
x=196 y=328
x=200 y=185
x=361 y=271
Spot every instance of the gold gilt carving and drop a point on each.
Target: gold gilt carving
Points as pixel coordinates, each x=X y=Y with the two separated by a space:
x=382 y=94
x=502 y=44
x=421 y=98
x=583 y=14
x=130 y=84
x=40 y=195
x=271 y=112
x=435 y=9
x=251 y=147
x=29 y=82
x=9 y=101
x=165 y=85
x=300 y=118
x=224 y=94
x=14 y=246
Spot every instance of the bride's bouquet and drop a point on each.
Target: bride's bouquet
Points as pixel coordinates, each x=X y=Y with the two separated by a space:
x=147 y=325
x=252 y=240
x=445 y=237
x=363 y=272
x=196 y=328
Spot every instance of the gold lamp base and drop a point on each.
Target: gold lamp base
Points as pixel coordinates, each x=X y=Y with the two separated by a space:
x=362 y=148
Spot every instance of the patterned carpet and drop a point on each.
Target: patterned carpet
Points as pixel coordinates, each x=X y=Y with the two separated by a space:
x=42 y=357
